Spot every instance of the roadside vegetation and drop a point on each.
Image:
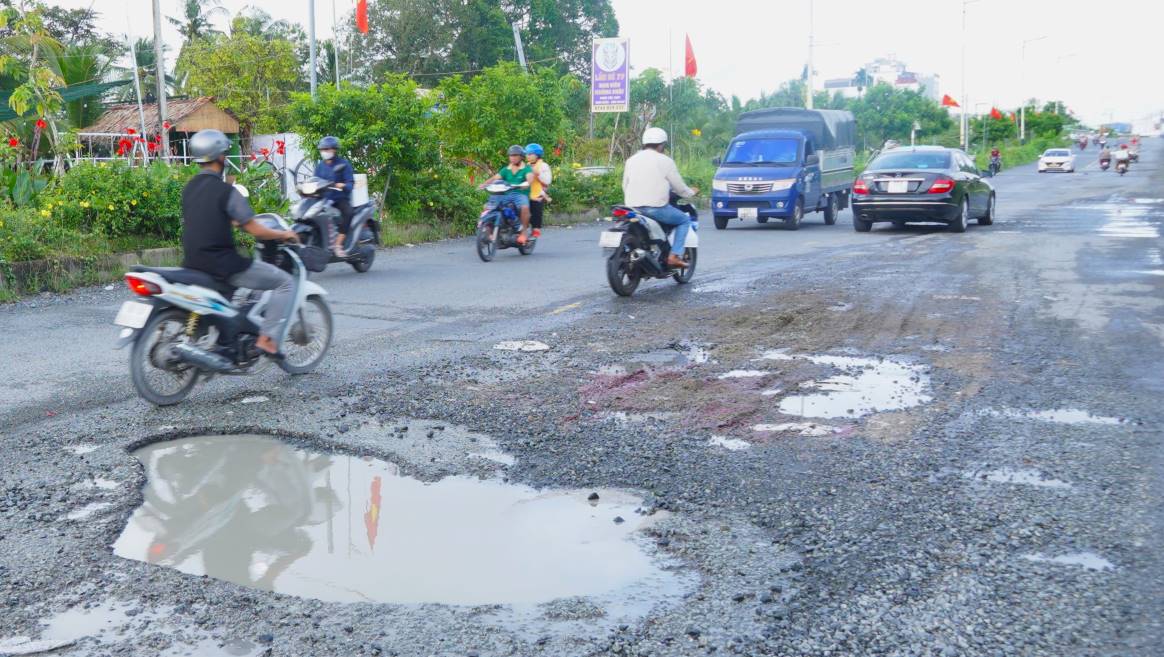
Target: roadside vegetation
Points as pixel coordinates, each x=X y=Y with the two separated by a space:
x=425 y=131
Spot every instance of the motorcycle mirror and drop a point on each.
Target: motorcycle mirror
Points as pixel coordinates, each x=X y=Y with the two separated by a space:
x=242 y=189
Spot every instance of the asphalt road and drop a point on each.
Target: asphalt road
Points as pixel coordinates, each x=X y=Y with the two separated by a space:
x=996 y=491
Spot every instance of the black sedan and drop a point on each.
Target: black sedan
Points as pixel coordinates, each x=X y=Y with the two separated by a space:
x=922 y=183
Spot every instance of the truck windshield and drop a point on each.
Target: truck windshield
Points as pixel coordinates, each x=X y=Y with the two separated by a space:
x=763 y=151
x=912 y=160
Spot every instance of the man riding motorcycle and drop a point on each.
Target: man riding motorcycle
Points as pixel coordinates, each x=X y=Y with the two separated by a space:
x=648 y=179
x=518 y=174
x=1122 y=155
x=995 y=160
x=209 y=207
x=338 y=172
x=1104 y=157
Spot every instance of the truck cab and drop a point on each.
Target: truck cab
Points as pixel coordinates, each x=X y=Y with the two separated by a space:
x=783 y=163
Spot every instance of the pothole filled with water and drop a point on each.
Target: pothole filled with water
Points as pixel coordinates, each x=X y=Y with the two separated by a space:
x=865 y=386
x=260 y=513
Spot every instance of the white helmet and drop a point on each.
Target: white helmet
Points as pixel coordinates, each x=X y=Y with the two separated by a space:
x=653 y=136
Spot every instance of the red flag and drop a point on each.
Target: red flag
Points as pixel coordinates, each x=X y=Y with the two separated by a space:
x=995 y=114
x=692 y=67
x=362 y=16
x=947 y=101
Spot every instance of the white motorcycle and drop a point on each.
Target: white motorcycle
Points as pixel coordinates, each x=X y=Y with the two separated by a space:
x=187 y=324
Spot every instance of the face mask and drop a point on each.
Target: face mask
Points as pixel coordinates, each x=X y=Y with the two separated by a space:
x=327 y=155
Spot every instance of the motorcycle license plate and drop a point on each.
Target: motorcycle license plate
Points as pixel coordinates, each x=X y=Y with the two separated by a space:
x=610 y=239
x=748 y=213
x=133 y=314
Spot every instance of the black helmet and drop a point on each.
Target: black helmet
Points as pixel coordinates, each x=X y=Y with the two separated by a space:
x=516 y=150
x=328 y=142
x=207 y=145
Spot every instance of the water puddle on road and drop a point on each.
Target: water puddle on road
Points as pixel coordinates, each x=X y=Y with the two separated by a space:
x=1075 y=416
x=258 y=512
x=1086 y=560
x=868 y=385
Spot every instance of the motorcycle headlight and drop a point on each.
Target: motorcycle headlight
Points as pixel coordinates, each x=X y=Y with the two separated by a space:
x=719 y=185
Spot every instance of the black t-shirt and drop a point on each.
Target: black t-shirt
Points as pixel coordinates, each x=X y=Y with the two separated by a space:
x=209 y=206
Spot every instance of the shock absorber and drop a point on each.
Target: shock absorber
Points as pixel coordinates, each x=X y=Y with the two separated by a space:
x=191 y=325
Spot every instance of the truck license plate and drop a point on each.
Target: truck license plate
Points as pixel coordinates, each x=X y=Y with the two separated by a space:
x=748 y=213
x=133 y=314
x=610 y=239
x=898 y=186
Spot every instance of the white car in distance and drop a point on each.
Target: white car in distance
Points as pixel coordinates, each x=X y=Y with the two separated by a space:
x=1057 y=159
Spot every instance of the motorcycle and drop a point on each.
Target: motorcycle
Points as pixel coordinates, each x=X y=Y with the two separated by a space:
x=315 y=218
x=995 y=165
x=500 y=224
x=637 y=246
x=1122 y=167
x=1104 y=164
x=188 y=325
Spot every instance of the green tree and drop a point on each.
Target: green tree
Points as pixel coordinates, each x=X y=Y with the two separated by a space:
x=247 y=75
x=562 y=29
x=194 y=21
x=887 y=113
x=147 y=73
x=79 y=65
x=78 y=27
x=499 y=108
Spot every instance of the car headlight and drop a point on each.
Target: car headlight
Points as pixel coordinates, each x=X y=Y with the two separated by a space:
x=719 y=185
x=781 y=185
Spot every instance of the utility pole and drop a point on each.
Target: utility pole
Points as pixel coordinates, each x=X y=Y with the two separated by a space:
x=137 y=89
x=811 y=36
x=160 y=65
x=311 y=41
x=519 y=47
x=1023 y=85
x=335 y=45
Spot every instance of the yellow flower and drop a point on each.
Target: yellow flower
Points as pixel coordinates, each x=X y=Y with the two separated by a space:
x=84 y=204
x=695 y=132
x=576 y=165
x=430 y=204
x=45 y=213
x=133 y=202
x=145 y=194
x=110 y=206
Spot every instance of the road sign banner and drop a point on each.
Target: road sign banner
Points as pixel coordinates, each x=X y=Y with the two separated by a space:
x=610 y=76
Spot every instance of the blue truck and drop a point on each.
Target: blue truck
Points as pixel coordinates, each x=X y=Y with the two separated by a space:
x=784 y=162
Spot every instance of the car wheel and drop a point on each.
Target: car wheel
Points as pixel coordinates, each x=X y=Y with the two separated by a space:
x=831 y=210
x=988 y=218
x=861 y=225
x=793 y=222
x=721 y=223
x=958 y=225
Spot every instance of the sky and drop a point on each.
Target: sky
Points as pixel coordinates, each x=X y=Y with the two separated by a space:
x=744 y=47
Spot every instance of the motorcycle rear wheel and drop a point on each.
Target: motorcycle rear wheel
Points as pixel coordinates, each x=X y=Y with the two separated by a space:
x=146 y=366
x=623 y=280
x=684 y=276
x=367 y=256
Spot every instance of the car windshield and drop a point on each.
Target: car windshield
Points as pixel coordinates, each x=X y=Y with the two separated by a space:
x=763 y=151
x=912 y=160
x=1057 y=153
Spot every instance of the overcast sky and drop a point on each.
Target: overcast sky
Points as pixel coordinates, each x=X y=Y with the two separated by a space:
x=747 y=46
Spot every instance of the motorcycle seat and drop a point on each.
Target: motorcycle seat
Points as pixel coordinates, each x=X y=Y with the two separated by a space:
x=189 y=277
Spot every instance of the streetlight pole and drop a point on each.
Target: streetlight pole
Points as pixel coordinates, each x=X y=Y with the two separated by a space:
x=1023 y=85
x=311 y=41
x=811 y=30
x=962 y=125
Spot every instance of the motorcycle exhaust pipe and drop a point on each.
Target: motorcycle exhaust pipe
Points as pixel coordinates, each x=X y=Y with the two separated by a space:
x=201 y=358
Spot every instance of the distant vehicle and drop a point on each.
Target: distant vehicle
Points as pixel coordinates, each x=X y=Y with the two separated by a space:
x=922 y=184
x=1057 y=159
x=784 y=162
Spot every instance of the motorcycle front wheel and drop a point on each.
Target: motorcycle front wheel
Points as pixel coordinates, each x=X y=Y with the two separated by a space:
x=621 y=275
x=486 y=245
x=158 y=377
x=684 y=276
x=309 y=338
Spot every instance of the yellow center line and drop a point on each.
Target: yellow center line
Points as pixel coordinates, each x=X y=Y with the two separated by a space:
x=571 y=306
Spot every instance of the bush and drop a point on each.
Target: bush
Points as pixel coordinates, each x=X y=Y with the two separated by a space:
x=26 y=234
x=574 y=193
x=115 y=199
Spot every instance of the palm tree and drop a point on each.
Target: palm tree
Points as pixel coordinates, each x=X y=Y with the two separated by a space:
x=195 y=20
x=146 y=71
x=82 y=65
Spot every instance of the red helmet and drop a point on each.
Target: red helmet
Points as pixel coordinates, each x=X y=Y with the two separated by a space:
x=1123 y=145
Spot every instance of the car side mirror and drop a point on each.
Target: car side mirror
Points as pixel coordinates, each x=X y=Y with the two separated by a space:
x=811 y=159
x=717 y=161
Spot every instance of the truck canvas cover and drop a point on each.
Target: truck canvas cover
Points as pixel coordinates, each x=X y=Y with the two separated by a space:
x=829 y=129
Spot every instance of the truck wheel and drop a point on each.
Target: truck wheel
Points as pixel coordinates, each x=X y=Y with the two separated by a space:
x=793 y=222
x=762 y=220
x=721 y=223
x=831 y=210
x=861 y=225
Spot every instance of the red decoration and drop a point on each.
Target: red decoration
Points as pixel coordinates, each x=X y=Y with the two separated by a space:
x=40 y=124
x=691 y=66
x=130 y=131
x=948 y=101
x=265 y=151
x=153 y=146
x=166 y=125
x=280 y=147
x=13 y=142
x=362 y=16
